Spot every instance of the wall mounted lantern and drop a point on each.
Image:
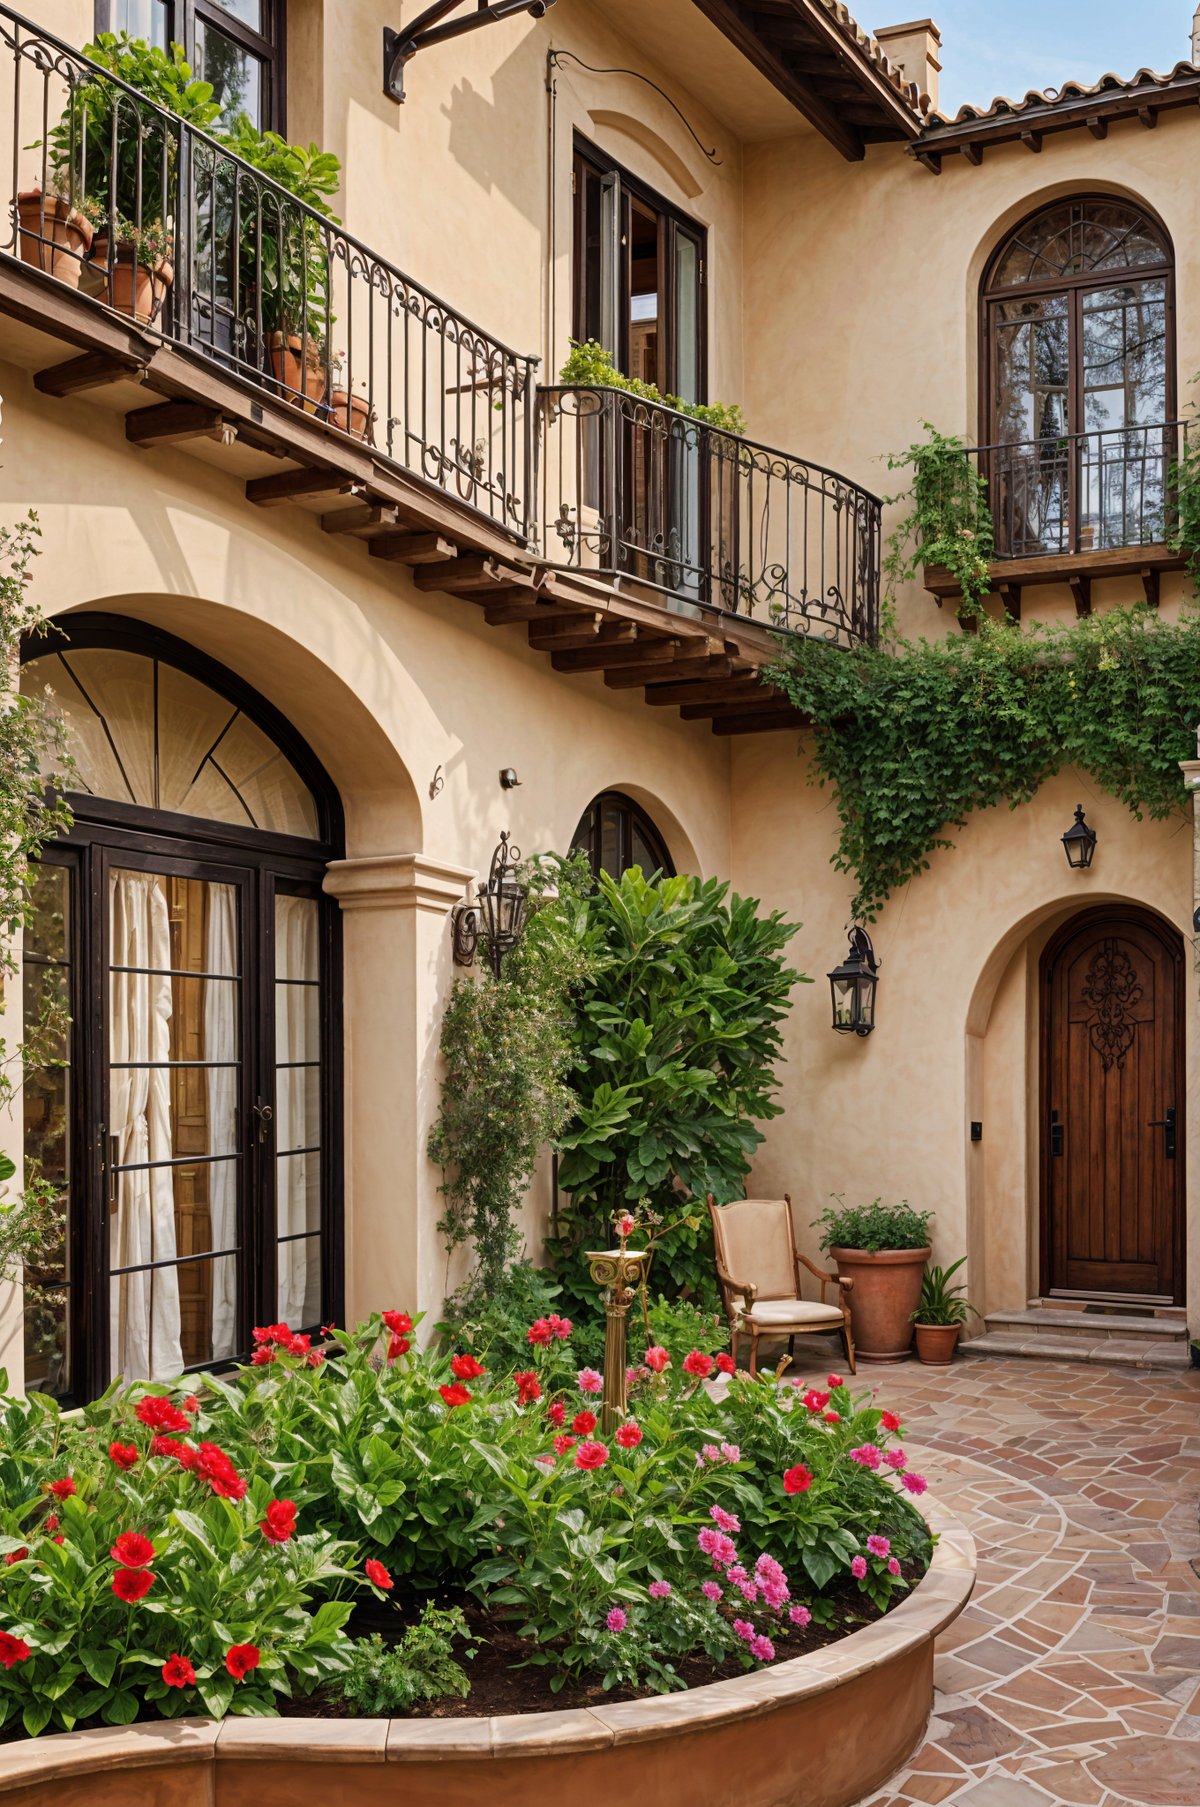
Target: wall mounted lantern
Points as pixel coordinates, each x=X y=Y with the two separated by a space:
x=852 y=985
x=498 y=915
x=1079 y=842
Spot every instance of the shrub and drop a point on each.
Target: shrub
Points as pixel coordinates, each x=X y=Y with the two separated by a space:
x=382 y=1679
x=873 y=1227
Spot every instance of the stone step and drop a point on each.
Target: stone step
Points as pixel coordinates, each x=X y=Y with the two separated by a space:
x=1158 y=1355
x=1092 y=1326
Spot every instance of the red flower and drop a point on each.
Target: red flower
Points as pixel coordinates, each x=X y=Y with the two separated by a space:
x=833 y=1417
x=132 y=1584
x=15 y=1556
x=279 y=1333
x=177 y=1672
x=240 y=1659
x=656 y=1358
x=557 y=1413
x=797 y=1480
x=262 y=1358
x=191 y=1404
x=51 y=1523
x=376 y=1574
x=697 y=1363
x=529 y=1387
x=455 y=1395
x=169 y=1446
x=160 y=1415
x=583 y=1423
x=814 y=1401
x=125 y=1455
x=591 y=1455
x=280 y=1522
x=834 y=1380
x=628 y=1435
x=540 y=1332
x=726 y=1363
x=132 y=1550
x=13 y=1650
x=215 y=1467
x=562 y=1445
x=298 y=1344
x=62 y=1490
x=398 y=1322
x=890 y=1421
x=399 y=1345
x=465 y=1367
x=315 y=1357
x=559 y=1327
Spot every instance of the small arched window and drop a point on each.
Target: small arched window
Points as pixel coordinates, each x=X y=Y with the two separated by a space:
x=616 y=833
x=1079 y=379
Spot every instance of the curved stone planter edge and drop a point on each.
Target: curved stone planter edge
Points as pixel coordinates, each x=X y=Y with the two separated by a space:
x=933 y=1604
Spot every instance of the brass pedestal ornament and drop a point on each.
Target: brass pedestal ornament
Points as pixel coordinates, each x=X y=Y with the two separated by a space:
x=621 y=1272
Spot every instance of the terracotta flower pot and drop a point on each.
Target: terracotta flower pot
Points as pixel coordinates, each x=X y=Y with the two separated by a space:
x=936 y=1343
x=302 y=378
x=131 y=286
x=886 y=1292
x=350 y=412
x=55 y=237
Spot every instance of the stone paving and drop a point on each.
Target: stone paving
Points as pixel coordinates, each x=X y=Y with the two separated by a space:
x=1073 y=1677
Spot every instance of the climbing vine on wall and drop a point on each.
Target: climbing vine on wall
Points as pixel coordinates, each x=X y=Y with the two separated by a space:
x=916 y=738
x=947 y=520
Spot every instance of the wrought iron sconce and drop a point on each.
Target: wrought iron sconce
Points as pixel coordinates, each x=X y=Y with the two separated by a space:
x=852 y=987
x=1079 y=842
x=497 y=915
x=427 y=29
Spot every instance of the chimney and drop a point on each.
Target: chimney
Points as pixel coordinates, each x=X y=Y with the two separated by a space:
x=1196 y=37
x=913 y=49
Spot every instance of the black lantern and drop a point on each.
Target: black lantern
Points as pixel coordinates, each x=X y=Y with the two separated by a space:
x=499 y=914
x=852 y=985
x=1079 y=842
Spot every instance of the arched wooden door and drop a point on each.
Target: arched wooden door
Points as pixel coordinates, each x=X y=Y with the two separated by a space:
x=1112 y=1108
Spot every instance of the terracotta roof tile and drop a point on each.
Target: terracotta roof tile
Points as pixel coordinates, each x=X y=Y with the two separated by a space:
x=1036 y=98
x=872 y=51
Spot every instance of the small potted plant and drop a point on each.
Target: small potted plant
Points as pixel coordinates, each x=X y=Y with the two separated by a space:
x=940 y=1315
x=134 y=266
x=348 y=410
x=883 y=1249
x=55 y=235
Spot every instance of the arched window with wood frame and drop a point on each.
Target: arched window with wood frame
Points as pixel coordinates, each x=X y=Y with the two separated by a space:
x=1078 y=368
x=616 y=833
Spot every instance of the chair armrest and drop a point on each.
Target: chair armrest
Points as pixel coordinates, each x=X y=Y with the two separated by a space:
x=746 y=1288
x=826 y=1279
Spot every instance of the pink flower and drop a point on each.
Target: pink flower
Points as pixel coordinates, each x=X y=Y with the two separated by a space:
x=625 y=1226
x=914 y=1482
x=656 y=1358
x=769 y=1572
x=726 y=1364
x=748 y=1591
x=590 y=1381
x=731 y=1452
x=658 y=1590
x=631 y=1377
x=878 y=1546
x=725 y=1521
x=763 y=1649
x=858 y=1567
x=591 y=1455
x=895 y=1458
x=560 y=1327
x=697 y=1363
x=744 y=1630
x=710 y=1452
x=716 y=1545
x=711 y=1591
x=893 y=1566
x=866 y=1455
x=800 y=1615
x=616 y=1620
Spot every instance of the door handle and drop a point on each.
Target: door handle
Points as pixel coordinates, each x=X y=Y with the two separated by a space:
x=1167 y=1125
x=263 y=1117
x=1057 y=1135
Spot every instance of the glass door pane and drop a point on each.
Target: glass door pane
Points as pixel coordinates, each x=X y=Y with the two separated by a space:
x=48 y=1105
x=298 y=1117
x=1029 y=478
x=173 y=1119
x=1123 y=334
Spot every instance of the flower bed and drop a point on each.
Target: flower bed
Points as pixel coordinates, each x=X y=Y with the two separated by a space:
x=201 y=1549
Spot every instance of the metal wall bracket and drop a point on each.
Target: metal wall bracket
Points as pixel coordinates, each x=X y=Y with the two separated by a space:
x=434 y=26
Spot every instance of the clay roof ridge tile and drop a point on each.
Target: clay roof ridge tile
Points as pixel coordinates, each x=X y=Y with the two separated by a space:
x=1070 y=90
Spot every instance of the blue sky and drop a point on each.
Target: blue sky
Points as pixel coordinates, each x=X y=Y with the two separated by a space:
x=992 y=47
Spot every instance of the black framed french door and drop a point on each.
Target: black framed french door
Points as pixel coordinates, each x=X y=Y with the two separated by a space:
x=192 y=1123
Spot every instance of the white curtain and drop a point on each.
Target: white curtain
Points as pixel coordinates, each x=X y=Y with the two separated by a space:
x=296 y=956
x=143 y=1307
x=220 y=1044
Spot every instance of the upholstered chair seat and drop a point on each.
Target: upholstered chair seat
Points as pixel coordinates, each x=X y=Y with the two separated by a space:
x=758 y=1271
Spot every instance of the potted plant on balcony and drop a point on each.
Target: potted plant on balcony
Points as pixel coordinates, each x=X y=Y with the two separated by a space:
x=115 y=160
x=55 y=235
x=940 y=1315
x=883 y=1249
x=348 y=408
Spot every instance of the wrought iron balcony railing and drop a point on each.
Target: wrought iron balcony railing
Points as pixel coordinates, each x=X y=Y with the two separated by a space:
x=633 y=490
x=127 y=202
x=1079 y=493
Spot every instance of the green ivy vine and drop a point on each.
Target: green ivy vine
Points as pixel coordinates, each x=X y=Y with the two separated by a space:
x=589 y=366
x=948 y=521
x=916 y=738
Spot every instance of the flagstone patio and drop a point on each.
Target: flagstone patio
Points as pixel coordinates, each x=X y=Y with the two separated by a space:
x=1074 y=1674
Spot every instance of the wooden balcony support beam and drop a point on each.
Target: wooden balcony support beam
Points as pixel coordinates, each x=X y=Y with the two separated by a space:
x=632 y=677
x=414 y=548
x=767 y=722
x=1010 y=596
x=464 y=576
x=362 y=523
x=735 y=703
x=169 y=423
x=642 y=651
x=580 y=633
x=1150 y=576
x=1081 y=590
x=670 y=696
x=94 y=370
x=304 y=485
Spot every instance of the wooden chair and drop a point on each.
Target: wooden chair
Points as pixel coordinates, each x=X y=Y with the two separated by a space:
x=758 y=1271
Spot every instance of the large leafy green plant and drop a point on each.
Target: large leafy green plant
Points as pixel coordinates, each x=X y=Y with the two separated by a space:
x=873 y=1227
x=948 y=521
x=283 y=250
x=677 y=1034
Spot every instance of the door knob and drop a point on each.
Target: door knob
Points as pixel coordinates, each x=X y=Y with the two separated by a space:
x=1057 y=1134
x=1167 y=1125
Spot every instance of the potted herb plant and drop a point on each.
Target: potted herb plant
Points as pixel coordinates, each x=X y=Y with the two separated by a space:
x=940 y=1315
x=883 y=1249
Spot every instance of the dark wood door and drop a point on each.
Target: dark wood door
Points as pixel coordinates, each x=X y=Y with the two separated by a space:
x=1112 y=1107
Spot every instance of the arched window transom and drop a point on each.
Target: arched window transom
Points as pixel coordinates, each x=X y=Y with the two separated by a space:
x=616 y=833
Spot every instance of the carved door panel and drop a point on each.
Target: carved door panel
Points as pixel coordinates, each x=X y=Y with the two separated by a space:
x=1112 y=1097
